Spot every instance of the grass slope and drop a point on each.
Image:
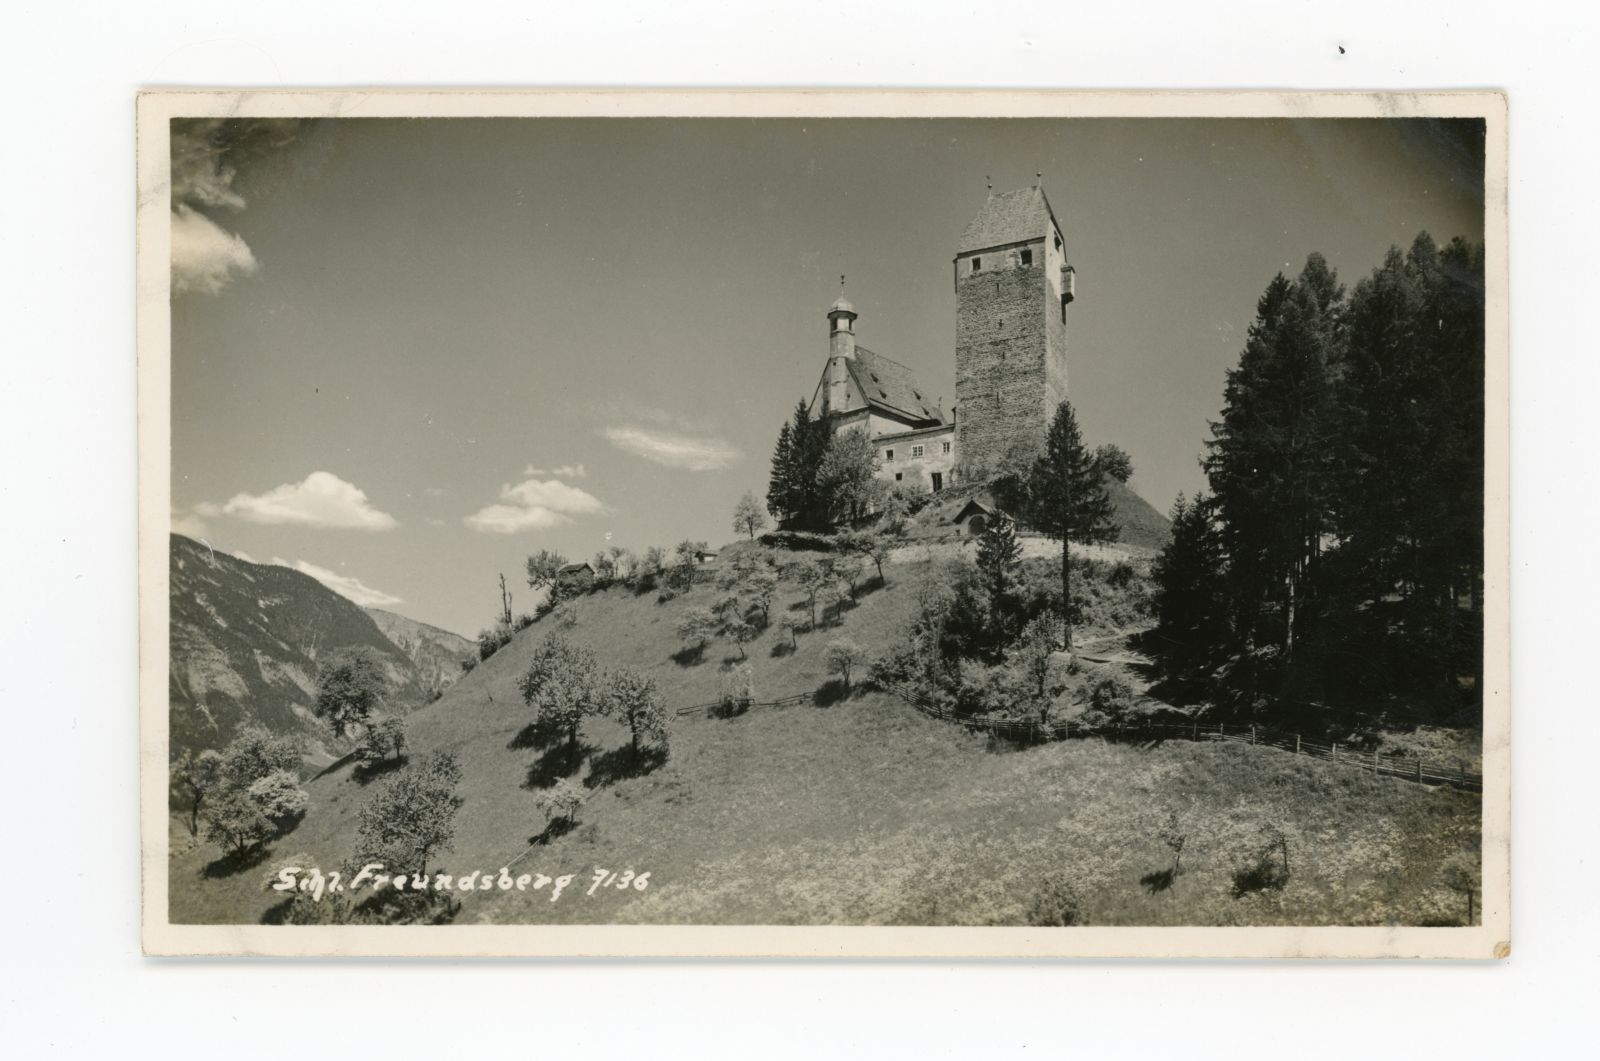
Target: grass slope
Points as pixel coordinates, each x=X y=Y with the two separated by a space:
x=863 y=811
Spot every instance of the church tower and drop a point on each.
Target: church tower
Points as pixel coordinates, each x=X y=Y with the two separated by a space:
x=1013 y=285
x=841 y=348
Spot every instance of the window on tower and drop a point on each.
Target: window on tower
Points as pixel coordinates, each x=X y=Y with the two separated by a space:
x=888 y=455
x=1027 y=256
x=977 y=264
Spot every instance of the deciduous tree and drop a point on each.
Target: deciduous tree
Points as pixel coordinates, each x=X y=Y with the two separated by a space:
x=350 y=687
x=412 y=816
x=563 y=684
x=747 y=516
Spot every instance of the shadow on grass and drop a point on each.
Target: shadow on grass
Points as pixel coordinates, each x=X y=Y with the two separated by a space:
x=559 y=762
x=365 y=774
x=236 y=862
x=558 y=827
x=692 y=656
x=782 y=648
x=619 y=764
x=1158 y=881
x=1267 y=874
x=834 y=691
x=536 y=735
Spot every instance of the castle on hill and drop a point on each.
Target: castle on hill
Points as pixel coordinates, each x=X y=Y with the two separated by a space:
x=1013 y=285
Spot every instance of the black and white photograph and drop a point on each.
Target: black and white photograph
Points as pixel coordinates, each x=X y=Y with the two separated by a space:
x=860 y=525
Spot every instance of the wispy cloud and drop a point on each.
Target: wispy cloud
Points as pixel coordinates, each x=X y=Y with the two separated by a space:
x=322 y=499
x=345 y=585
x=536 y=504
x=695 y=453
x=565 y=471
x=206 y=154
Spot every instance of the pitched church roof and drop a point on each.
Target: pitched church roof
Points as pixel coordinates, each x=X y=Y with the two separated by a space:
x=890 y=386
x=1010 y=217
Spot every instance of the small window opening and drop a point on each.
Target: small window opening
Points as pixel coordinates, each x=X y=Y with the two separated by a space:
x=1027 y=256
x=977 y=264
x=888 y=455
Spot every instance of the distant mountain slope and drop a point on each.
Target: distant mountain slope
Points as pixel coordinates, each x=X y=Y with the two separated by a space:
x=1138 y=519
x=246 y=640
x=437 y=653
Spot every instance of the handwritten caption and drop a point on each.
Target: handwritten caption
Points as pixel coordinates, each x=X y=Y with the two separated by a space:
x=316 y=883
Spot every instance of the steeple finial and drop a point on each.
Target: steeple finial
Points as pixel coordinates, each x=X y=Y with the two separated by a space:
x=1038 y=178
x=841 y=283
x=988 y=182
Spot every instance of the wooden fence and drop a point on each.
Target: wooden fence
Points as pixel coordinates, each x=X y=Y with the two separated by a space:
x=1026 y=730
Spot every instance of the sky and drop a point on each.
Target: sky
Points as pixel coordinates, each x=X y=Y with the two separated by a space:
x=409 y=353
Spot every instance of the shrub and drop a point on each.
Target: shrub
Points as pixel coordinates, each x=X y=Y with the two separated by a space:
x=560 y=802
x=1110 y=694
x=738 y=690
x=1056 y=904
x=493 y=640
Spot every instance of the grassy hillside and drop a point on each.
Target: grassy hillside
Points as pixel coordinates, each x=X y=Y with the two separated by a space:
x=246 y=639
x=856 y=809
x=1138 y=521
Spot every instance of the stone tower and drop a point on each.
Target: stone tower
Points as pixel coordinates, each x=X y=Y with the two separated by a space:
x=1013 y=285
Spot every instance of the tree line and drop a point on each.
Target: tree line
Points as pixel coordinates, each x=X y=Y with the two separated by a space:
x=1337 y=557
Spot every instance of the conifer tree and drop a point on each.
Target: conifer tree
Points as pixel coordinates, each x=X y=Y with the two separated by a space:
x=1276 y=457
x=1068 y=498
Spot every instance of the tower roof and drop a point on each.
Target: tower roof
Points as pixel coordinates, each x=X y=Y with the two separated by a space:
x=1010 y=217
x=841 y=305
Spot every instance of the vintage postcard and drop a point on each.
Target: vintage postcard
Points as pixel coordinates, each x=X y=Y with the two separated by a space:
x=824 y=524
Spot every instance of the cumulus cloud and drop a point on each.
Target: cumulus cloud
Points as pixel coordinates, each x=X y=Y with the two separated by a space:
x=206 y=154
x=322 y=499
x=692 y=452
x=204 y=257
x=534 y=505
x=345 y=585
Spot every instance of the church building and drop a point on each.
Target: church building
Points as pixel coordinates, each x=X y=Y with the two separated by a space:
x=1012 y=285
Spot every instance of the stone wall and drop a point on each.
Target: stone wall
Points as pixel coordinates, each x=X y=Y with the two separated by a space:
x=1010 y=357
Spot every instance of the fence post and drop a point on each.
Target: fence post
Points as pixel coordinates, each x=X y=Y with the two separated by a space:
x=1197 y=731
x=1297 y=744
x=1252 y=733
x=1335 y=751
x=1219 y=729
x=1419 y=768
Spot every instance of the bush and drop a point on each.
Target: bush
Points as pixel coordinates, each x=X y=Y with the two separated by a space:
x=1110 y=694
x=1056 y=904
x=560 y=802
x=493 y=640
x=738 y=691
